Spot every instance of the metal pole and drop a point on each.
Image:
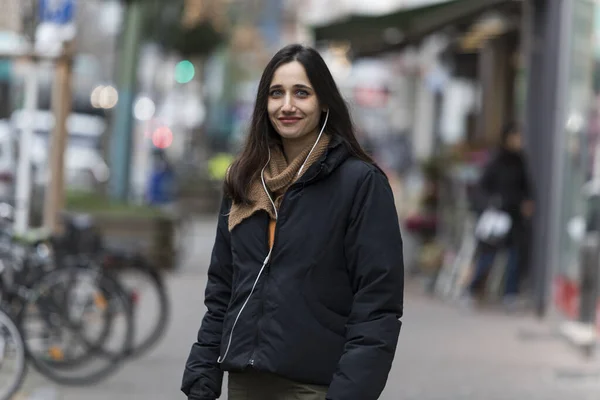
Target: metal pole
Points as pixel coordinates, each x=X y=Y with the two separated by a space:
x=590 y=254
x=589 y=257
x=548 y=75
x=121 y=143
x=23 y=189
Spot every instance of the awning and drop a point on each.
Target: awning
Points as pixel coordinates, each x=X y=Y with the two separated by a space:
x=369 y=35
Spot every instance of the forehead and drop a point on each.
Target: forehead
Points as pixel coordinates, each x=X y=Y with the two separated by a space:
x=290 y=74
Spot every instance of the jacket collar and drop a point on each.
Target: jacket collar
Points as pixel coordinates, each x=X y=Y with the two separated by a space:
x=336 y=154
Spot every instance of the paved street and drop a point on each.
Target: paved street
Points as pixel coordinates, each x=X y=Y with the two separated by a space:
x=445 y=353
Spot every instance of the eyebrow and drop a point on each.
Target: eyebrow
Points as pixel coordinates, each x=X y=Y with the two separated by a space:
x=297 y=86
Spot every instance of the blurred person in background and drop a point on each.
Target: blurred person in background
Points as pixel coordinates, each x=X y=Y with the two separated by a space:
x=161 y=186
x=505 y=185
x=305 y=284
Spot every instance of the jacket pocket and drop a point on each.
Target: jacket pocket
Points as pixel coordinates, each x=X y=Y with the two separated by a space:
x=326 y=317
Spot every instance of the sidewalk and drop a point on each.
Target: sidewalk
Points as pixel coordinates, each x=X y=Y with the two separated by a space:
x=449 y=353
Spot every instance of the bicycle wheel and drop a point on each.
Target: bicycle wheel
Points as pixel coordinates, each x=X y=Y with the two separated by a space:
x=68 y=306
x=149 y=297
x=12 y=357
x=86 y=326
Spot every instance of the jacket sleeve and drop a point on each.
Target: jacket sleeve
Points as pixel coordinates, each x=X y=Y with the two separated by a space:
x=374 y=252
x=203 y=377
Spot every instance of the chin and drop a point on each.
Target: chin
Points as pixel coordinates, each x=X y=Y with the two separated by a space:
x=289 y=133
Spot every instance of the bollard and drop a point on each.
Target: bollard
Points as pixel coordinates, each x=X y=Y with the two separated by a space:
x=589 y=277
x=590 y=253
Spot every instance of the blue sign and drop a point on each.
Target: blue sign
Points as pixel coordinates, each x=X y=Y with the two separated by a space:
x=57 y=11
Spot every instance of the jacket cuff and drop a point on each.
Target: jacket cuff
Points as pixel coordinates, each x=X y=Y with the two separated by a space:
x=197 y=394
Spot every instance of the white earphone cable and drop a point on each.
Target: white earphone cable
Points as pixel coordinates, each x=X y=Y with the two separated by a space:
x=315 y=145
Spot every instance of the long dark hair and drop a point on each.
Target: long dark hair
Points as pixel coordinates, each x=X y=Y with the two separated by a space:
x=255 y=153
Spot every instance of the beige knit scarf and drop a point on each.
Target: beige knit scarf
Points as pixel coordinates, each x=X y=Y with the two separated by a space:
x=279 y=176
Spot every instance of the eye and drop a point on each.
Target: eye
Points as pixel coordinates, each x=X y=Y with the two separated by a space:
x=302 y=93
x=276 y=93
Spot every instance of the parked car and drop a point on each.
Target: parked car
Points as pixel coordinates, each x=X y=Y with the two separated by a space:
x=84 y=165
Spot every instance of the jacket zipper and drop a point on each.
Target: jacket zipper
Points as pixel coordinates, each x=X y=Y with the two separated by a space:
x=266 y=279
x=260 y=315
x=265 y=268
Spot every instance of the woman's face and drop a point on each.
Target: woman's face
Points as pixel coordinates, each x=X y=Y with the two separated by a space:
x=293 y=106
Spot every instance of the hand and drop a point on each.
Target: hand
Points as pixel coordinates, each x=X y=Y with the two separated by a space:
x=527 y=208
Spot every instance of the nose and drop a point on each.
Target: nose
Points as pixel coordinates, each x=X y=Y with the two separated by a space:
x=288 y=105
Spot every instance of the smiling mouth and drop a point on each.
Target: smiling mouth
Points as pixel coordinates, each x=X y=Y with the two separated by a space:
x=287 y=121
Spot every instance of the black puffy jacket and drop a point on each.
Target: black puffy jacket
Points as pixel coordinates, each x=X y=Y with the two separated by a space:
x=326 y=309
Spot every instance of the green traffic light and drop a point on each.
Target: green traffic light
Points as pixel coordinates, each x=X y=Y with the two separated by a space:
x=184 y=71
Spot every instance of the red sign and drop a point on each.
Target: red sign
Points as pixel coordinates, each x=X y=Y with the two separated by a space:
x=371 y=97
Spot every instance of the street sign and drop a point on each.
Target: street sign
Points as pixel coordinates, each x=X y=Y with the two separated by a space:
x=56 y=26
x=58 y=12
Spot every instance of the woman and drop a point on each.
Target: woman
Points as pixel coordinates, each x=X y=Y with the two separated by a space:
x=305 y=283
x=505 y=184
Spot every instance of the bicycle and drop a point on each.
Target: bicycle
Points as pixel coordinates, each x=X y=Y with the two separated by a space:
x=11 y=345
x=34 y=289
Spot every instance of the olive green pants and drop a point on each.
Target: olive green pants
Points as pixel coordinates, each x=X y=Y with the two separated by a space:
x=253 y=385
